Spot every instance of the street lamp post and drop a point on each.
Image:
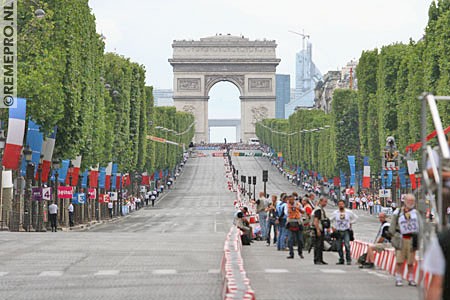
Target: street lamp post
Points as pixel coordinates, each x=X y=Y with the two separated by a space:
x=40 y=218
x=55 y=167
x=2 y=147
x=29 y=177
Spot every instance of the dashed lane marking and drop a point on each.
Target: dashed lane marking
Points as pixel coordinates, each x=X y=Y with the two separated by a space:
x=3 y=273
x=213 y=271
x=107 y=273
x=164 y=272
x=276 y=270
x=384 y=276
x=333 y=271
x=51 y=273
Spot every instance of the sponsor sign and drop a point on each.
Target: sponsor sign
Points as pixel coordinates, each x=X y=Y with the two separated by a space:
x=65 y=192
x=92 y=192
x=113 y=196
x=36 y=194
x=79 y=198
x=103 y=198
x=385 y=193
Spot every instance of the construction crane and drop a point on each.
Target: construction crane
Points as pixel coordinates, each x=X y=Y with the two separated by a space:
x=304 y=37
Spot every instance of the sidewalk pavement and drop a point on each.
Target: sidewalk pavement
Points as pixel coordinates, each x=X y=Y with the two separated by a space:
x=94 y=223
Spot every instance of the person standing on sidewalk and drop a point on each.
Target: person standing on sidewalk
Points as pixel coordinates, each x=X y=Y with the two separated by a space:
x=70 y=209
x=272 y=220
x=307 y=222
x=53 y=213
x=404 y=229
x=342 y=220
x=261 y=205
x=294 y=226
x=321 y=223
x=110 y=207
x=281 y=244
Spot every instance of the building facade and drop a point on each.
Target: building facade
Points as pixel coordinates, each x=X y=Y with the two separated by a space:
x=283 y=94
x=307 y=75
x=163 y=97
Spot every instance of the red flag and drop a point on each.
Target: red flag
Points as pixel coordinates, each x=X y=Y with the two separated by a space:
x=336 y=181
x=412 y=177
x=93 y=178
x=145 y=179
x=152 y=178
x=118 y=177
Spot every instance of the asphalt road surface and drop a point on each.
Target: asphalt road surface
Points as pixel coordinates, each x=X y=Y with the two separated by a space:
x=172 y=251
x=273 y=276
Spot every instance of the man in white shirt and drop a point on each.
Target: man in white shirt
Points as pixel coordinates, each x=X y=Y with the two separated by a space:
x=342 y=220
x=110 y=207
x=364 y=202
x=53 y=213
x=70 y=209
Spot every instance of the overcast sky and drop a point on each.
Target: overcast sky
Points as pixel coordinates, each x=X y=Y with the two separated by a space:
x=143 y=30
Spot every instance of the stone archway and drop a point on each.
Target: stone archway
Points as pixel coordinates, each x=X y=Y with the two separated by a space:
x=250 y=65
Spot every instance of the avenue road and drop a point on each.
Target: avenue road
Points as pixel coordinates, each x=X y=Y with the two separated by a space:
x=172 y=251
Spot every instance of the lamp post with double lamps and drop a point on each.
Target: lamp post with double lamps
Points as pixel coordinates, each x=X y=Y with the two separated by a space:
x=29 y=178
x=3 y=213
x=40 y=204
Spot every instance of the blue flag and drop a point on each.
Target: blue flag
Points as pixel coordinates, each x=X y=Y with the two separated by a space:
x=389 y=179
x=402 y=175
x=352 y=163
x=62 y=172
x=84 y=179
x=342 y=175
x=102 y=177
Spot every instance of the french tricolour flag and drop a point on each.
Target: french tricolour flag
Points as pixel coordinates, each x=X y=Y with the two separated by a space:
x=108 y=176
x=47 y=149
x=412 y=166
x=145 y=179
x=76 y=163
x=16 y=130
x=366 y=174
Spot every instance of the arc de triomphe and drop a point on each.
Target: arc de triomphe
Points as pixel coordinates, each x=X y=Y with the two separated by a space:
x=250 y=65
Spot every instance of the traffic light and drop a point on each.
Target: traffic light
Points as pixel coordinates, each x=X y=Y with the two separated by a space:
x=249 y=180
x=243 y=178
x=265 y=176
x=254 y=180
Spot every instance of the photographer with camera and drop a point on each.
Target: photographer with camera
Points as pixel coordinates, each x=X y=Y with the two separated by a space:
x=321 y=223
x=261 y=205
x=343 y=220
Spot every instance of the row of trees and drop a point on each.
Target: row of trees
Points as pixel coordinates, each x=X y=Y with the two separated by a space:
x=98 y=101
x=390 y=80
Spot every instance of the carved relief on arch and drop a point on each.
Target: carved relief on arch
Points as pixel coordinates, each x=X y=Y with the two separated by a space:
x=238 y=80
x=259 y=113
x=189 y=109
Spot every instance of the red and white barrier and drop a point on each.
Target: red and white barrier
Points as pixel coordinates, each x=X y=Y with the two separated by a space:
x=386 y=260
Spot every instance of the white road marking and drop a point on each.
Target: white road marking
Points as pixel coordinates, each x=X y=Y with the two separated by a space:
x=164 y=272
x=378 y=274
x=3 y=273
x=51 y=273
x=333 y=271
x=213 y=271
x=107 y=273
x=276 y=270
